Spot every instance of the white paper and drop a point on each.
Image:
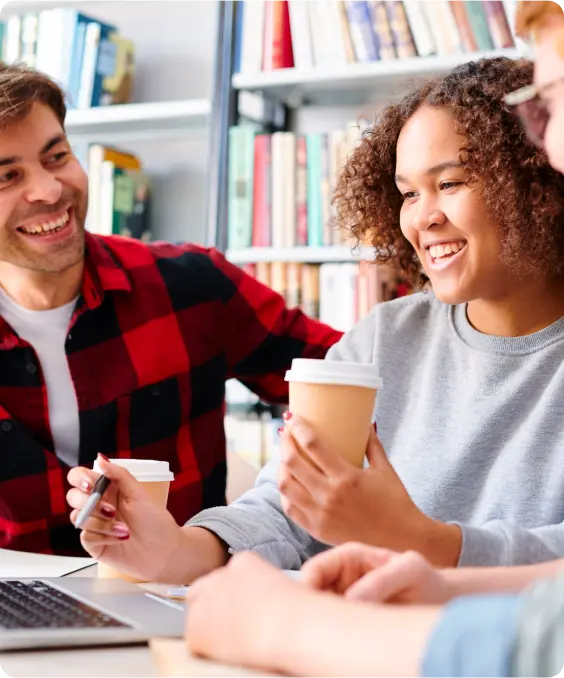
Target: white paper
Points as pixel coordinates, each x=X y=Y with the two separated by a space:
x=22 y=565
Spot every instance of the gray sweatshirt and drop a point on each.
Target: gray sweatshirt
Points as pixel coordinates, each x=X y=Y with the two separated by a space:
x=472 y=423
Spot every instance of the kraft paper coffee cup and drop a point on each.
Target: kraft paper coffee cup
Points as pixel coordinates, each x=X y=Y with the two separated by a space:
x=156 y=477
x=337 y=400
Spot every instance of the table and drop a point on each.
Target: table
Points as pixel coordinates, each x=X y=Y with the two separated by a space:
x=111 y=662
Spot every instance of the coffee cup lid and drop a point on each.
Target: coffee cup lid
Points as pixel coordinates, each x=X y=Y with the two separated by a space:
x=310 y=371
x=144 y=470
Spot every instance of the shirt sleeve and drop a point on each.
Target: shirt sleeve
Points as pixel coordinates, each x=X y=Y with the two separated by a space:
x=540 y=636
x=475 y=636
x=262 y=335
x=501 y=543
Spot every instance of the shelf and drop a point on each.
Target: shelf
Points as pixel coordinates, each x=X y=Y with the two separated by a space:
x=352 y=83
x=139 y=121
x=306 y=255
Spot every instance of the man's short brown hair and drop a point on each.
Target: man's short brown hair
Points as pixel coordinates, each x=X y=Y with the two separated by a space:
x=531 y=15
x=21 y=87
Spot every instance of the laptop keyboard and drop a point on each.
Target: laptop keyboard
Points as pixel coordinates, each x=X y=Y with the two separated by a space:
x=37 y=605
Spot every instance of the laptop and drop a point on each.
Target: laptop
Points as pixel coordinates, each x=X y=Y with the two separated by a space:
x=83 y=611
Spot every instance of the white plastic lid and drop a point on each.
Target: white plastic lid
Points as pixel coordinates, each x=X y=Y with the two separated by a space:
x=144 y=470
x=310 y=371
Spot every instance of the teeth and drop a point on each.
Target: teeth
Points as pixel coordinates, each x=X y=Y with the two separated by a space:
x=47 y=227
x=440 y=251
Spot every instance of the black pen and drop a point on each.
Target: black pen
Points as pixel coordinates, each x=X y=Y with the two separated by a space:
x=93 y=500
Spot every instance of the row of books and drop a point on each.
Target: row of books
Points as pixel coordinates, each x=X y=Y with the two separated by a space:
x=88 y=58
x=281 y=186
x=309 y=33
x=339 y=294
x=119 y=192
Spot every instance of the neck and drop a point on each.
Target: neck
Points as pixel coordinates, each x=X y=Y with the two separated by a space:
x=38 y=291
x=531 y=306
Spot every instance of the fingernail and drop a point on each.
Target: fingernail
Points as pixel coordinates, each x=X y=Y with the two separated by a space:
x=85 y=485
x=120 y=530
x=124 y=538
x=375 y=427
x=280 y=430
x=287 y=416
x=108 y=511
x=103 y=456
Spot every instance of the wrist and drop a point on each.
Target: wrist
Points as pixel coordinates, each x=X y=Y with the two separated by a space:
x=439 y=542
x=197 y=552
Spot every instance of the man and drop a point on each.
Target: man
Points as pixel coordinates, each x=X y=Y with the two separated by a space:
x=111 y=346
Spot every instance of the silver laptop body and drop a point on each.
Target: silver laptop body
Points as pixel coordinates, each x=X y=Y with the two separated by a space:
x=135 y=614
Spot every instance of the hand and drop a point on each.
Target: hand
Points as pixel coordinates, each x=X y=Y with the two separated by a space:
x=237 y=612
x=128 y=530
x=377 y=575
x=336 y=502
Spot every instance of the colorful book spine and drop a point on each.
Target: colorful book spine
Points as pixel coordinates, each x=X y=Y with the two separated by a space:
x=497 y=22
x=403 y=40
x=240 y=187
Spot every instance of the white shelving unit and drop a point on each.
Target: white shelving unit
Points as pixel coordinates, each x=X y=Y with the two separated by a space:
x=305 y=255
x=166 y=119
x=353 y=83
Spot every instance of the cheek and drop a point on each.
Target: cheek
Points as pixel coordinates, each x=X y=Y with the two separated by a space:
x=554 y=139
x=405 y=224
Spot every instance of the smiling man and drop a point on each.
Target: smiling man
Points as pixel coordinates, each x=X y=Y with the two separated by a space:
x=111 y=346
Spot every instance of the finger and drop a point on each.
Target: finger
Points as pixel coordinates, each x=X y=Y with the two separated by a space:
x=200 y=586
x=337 y=569
x=95 y=544
x=388 y=582
x=296 y=514
x=76 y=499
x=293 y=491
x=121 y=479
x=309 y=444
x=298 y=464
x=82 y=478
x=103 y=526
x=375 y=452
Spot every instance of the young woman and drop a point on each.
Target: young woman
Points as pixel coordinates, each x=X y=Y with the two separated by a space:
x=497 y=635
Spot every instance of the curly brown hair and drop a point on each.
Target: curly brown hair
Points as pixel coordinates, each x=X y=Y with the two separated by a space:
x=522 y=192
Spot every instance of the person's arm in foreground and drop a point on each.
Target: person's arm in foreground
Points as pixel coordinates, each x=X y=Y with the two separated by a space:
x=378 y=575
x=248 y=613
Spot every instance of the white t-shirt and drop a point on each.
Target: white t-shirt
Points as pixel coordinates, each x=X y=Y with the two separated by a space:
x=46 y=331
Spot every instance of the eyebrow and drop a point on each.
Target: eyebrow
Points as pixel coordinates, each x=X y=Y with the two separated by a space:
x=48 y=146
x=436 y=169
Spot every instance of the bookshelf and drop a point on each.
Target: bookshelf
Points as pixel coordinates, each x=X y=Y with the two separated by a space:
x=355 y=83
x=137 y=121
x=302 y=255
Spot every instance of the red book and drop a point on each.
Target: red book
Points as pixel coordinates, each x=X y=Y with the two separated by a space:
x=277 y=36
x=261 y=192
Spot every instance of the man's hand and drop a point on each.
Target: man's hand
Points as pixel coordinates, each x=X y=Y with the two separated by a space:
x=377 y=575
x=237 y=612
x=336 y=502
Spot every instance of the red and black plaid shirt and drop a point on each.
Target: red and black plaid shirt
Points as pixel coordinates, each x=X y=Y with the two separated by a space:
x=156 y=332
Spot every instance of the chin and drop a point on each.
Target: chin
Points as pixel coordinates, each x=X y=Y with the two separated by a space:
x=451 y=296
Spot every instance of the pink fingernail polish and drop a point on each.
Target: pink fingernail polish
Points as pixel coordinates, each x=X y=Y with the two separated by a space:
x=124 y=538
x=121 y=530
x=85 y=485
x=280 y=430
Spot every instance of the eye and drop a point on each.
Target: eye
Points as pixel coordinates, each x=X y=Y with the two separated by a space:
x=58 y=157
x=409 y=195
x=9 y=176
x=447 y=185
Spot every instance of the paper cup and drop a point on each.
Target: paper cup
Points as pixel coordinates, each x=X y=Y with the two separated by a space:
x=337 y=400
x=156 y=477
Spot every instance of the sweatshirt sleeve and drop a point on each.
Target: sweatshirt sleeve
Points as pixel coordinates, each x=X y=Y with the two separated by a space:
x=539 y=648
x=475 y=636
x=499 y=542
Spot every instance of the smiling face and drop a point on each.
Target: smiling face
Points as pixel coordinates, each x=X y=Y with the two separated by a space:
x=43 y=195
x=443 y=217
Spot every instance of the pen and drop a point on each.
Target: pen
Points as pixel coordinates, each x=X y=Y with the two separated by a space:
x=99 y=488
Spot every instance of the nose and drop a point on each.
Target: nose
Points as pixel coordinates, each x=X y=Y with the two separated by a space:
x=427 y=217
x=43 y=187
